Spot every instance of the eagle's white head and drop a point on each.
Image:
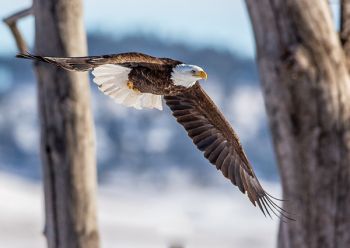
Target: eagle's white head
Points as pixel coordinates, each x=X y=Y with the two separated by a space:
x=187 y=75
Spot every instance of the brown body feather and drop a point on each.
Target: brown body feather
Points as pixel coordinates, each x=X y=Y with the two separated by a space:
x=193 y=109
x=148 y=75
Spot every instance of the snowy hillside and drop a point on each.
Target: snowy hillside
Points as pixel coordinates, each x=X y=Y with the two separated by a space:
x=136 y=213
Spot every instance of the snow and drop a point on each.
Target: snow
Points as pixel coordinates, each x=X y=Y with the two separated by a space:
x=137 y=212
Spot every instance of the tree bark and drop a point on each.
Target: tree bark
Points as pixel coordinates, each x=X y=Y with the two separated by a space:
x=306 y=87
x=67 y=136
x=11 y=22
x=345 y=28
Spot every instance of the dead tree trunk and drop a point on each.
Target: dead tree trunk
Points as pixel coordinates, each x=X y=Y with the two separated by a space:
x=67 y=136
x=306 y=86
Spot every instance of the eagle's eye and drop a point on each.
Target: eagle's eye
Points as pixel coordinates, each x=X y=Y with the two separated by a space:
x=193 y=71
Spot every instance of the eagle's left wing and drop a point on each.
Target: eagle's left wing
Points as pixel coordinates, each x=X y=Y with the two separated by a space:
x=213 y=135
x=90 y=62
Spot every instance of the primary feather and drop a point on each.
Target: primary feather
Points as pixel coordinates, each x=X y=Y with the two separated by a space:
x=214 y=136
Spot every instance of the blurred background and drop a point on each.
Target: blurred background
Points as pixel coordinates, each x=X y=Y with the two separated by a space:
x=153 y=183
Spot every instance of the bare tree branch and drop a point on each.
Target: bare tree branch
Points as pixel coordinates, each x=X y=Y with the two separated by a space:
x=11 y=22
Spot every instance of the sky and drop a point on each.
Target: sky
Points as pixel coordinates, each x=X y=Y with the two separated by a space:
x=221 y=24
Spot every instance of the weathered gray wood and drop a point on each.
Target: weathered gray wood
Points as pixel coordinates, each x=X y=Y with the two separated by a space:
x=67 y=136
x=306 y=88
x=345 y=27
x=11 y=22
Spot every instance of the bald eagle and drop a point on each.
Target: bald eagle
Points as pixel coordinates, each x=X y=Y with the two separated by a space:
x=141 y=81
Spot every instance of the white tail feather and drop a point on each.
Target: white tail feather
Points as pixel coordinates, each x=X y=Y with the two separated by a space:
x=112 y=80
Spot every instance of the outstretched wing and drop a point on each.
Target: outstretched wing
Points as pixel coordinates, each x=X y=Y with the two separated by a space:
x=213 y=135
x=90 y=62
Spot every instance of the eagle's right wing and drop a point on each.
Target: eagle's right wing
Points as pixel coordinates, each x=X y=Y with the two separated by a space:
x=90 y=62
x=213 y=135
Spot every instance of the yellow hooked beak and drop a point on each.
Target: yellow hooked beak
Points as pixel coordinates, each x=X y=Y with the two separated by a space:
x=202 y=75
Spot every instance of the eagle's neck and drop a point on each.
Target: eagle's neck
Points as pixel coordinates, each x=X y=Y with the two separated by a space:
x=180 y=79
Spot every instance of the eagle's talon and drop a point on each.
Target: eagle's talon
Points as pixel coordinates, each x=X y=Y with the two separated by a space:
x=130 y=85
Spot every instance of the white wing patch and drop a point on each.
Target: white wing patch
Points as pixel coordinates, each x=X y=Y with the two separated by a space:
x=112 y=80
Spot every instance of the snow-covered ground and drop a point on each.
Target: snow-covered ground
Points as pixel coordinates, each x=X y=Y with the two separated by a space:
x=139 y=213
